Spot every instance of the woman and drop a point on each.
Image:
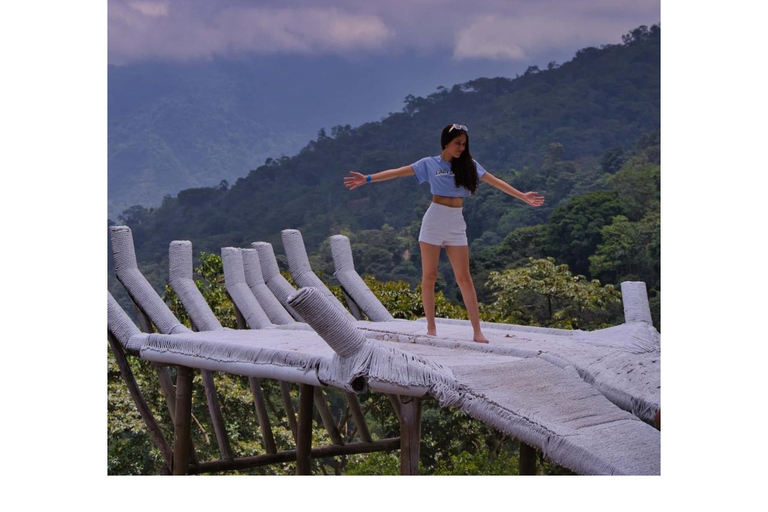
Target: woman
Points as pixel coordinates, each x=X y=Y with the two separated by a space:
x=452 y=176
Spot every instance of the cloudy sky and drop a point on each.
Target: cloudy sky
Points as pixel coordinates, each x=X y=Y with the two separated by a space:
x=497 y=30
x=356 y=60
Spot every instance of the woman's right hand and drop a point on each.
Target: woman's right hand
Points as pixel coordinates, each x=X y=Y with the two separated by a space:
x=355 y=180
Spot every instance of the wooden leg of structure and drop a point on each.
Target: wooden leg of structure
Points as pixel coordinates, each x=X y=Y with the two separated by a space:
x=163 y=373
x=359 y=417
x=304 y=441
x=214 y=409
x=262 y=415
x=394 y=400
x=141 y=404
x=353 y=307
x=325 y=415
x=285 y=391
x=410 y=434
x=181 y=421
x=527 y=459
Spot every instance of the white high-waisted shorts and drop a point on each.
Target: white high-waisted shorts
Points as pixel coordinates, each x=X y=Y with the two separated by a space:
x=443 y=225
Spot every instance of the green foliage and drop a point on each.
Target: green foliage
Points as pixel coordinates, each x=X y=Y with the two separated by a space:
x=402 y=302
x=553 y=125
x=575 y=228
x=545 y=294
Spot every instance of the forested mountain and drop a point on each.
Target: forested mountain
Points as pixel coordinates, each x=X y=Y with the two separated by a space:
x=584 y=134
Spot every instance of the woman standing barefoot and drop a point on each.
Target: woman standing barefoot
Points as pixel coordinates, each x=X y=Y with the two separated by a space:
x=452 y=176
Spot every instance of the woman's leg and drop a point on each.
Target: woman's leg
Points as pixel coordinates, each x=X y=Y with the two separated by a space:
x=430 y=255
x=459 y=256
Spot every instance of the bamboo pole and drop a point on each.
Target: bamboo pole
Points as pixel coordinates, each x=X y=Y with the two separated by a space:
x=304 y=437
x=359 y=417
x=163 y=373
x=527 y=459
x=241 y=323
x=353 y=307
x=285 y=391
x=214 y=409
x=166 y=383
x=262 y=415
x=141 y=404
x=410 y=434
x=181 y=422
x=389 y=444
x=325 y=415
x=395 y=401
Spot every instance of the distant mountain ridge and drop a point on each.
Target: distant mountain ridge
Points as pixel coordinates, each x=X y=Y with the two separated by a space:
x=546 y=130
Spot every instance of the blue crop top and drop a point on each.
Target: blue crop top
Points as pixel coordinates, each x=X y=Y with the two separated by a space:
x=438 y=173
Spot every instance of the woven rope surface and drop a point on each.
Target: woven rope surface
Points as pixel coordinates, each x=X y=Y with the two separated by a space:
x=627 y=371
x=635 y=298
x=121 y=326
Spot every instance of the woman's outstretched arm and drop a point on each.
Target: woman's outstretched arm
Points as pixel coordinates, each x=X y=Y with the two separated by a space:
x=356 y=179
x=532 y=198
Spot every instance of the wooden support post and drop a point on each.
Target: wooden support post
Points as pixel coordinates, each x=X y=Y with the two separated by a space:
x=410 y=434
x=325 y=415
x=304 y=441
x=241 y=323
x=527 y=459
x=163 y=374
x=380 y=445
x=145 y=325
x=181 y=421
x=214 y=409
x=353 y=307
x=262 y=415
x=219 y=428
x=285 y=391
x=141 y=404
x=357 y=414
x=395 y=401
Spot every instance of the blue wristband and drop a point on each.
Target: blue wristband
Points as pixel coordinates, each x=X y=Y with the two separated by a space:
x=368 y=178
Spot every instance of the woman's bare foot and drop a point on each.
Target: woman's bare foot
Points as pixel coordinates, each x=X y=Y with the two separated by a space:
x=479 y=338
x=432 y=331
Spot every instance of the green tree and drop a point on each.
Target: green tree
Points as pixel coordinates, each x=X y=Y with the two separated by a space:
x=575 y=228
x=546 y=294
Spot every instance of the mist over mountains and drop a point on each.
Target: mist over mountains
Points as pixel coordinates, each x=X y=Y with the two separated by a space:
x=177 y=125
x=547 y=130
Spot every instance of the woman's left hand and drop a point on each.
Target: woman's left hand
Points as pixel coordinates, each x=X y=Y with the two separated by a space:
x=533 y=198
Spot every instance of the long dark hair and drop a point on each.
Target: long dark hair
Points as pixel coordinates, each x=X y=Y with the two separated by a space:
x=463 y=168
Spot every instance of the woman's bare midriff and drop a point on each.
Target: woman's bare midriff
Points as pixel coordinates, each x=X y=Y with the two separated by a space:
x=453 y=202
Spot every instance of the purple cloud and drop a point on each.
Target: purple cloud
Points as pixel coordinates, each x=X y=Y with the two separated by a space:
x=483 y=29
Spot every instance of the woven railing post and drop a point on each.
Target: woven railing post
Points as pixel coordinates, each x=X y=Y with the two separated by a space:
x=142 y=293
x=277 y=284
x=234 y=278
x=635 y=298
x=180 y=276
x=353 y=283
x=180 y=272
x=298 y=264
x=255 y=280
x=337 y=330
x=121 y=326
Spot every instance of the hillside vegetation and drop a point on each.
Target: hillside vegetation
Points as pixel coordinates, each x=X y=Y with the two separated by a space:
x=584 y=133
